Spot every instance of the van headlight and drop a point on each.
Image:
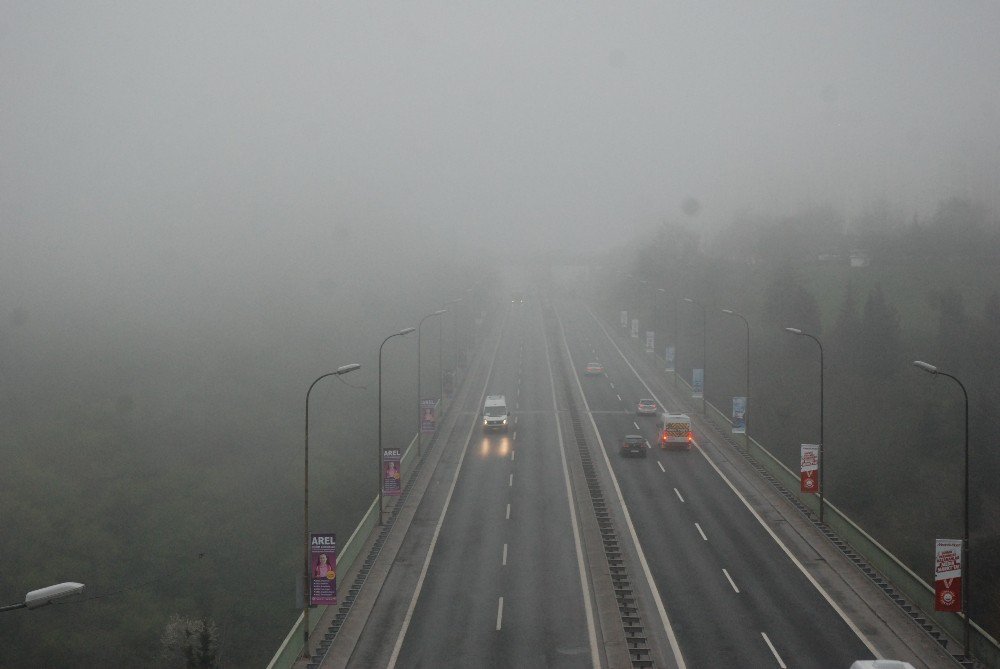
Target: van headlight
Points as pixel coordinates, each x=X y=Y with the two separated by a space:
x=504 y=421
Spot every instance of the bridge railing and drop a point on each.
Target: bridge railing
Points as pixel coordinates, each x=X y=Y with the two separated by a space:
x=291 y=648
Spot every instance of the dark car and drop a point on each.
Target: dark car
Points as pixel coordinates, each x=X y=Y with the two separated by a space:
x=634 y=444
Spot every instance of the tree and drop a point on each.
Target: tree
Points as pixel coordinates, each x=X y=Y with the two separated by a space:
x=879 y=339
x=788 y=303
x=847 y=329
x=193 y=640
x=953 y=324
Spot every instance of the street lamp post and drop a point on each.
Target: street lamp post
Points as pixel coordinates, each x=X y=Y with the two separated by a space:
x=419 y=397
x=46 y=595
x=444 y=307
x=704 y=362
x=822 y=462
x=307 y=595
x=674 y=318
x=965 y=511
x=746 y=415
x=404 y=331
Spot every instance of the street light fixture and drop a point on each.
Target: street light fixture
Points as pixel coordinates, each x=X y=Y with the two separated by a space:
x=931 y=369
x=307 y=595
x=746 y=415
x=419 y=396
x=46 y=595
x=704 y=362
x=404 y=331
x=822 y=464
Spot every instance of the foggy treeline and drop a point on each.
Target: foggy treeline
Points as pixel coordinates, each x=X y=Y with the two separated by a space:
x=154 y=451
x=894 y=435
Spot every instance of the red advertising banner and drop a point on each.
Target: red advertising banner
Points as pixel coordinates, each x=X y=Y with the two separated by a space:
x=948 y=575
x=809 y=468
x=323 y=558
x=392 y=476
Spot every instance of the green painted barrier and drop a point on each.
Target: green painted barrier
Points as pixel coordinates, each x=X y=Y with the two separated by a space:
x=291 y=648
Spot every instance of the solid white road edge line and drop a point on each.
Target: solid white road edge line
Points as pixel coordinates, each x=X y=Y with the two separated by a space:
x=640 y=554
x=850 y=623
x=595 y=658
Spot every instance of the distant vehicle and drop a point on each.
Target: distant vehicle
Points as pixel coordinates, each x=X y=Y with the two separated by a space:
x=495 y=413
x=675 y=431
x=634 y=444
x=593 y=368
x=881 y=664
x=647 y=407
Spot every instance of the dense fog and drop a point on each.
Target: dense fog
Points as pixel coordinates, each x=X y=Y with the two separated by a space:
x=205 y=206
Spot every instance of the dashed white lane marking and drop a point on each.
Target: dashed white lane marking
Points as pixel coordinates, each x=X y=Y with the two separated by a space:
x=678 y=494
x=636 y=425
x=515 y=420
x=612 y=386
x=512 y=454
x=850 y=623
x=662 y=469
x=500 y=615
x=504 y=561
x=701 y=532
x=508 y=512
x=511 y=481
x=773 y=651
x=619 y=398
x=728 y=577
x=514 y=437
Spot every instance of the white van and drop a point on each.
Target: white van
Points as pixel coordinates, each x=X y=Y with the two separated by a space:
x=495 y=414
x=881 y=664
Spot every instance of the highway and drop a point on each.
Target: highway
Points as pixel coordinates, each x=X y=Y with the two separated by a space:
x=505 y=585
x=735 y=599
x=498 y=567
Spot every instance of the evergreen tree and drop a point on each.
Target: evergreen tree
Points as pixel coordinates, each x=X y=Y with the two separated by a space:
x=879 y=340
x=847 y=329
x=788 y=303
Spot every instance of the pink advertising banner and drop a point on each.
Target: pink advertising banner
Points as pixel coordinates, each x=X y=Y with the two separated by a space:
x=323 y=558
x=428 y=416
x=392 y=475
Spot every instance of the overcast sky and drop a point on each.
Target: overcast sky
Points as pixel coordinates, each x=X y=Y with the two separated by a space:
x=232 y=133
